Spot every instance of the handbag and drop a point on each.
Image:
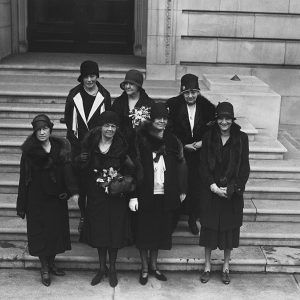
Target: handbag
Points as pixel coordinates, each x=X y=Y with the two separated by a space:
x=121 y=184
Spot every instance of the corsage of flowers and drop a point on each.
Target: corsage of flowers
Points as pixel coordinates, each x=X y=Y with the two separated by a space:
x=104 y=177
x=139 y=115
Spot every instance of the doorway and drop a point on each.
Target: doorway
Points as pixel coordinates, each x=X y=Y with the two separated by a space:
x=86 y=26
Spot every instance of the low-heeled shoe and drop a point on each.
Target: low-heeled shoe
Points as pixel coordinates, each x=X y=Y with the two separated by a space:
x=56 y=271
x=45 y=276
x=225 y=277
x=143 y=280
x=158 y=275
x=205 y=276
x=98 y=277
x=112 y=277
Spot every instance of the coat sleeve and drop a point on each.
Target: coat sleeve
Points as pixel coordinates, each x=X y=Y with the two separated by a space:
x=68 y=115
x=238 y=186
x=182 y=169
x=205 y=173
x=22 y=198
x=70 y=179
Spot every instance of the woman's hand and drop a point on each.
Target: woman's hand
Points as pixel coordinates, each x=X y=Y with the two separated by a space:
x=198 y=144
x=182 y=197
x=221 y=192
x=75 y=199
x=190 y=147
x=133 y=204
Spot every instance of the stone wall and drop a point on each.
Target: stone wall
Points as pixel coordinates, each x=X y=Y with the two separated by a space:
x=224 y=32
x=5 y=28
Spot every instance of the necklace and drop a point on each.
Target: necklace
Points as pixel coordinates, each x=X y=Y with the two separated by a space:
x=93 y=92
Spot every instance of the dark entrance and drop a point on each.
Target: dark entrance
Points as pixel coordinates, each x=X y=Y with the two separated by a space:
x=92 y=26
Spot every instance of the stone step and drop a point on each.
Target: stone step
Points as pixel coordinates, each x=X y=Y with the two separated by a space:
x=256 y=210
x=252 y=233
x=255 y=189
x=67 y=64
x=14 y=254
x=261 y=148
x=11 y=113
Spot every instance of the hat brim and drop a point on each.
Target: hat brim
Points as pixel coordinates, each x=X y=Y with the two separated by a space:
x=122 y=84
x=188 y=90
x=226 y=116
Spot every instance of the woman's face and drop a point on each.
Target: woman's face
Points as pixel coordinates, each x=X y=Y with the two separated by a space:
x=160 y=123
x=43 y=134
x=130 y=88
x=224 y=123
x=190 y=96
x=89 y=81
x=109 y=130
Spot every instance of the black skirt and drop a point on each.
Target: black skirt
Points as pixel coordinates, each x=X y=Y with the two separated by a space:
x=154 y=228
x=214 y=239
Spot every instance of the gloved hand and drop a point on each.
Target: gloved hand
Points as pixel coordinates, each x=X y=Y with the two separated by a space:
x=21 y=214
x=133 y=204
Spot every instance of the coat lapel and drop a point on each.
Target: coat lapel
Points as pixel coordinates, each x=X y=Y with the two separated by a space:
x=97 y=102
x=79 y=105
x=184 y=116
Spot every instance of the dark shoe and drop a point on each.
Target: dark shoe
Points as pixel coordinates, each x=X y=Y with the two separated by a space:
x=143 y=278
x=45 y=278
x=205 y=276
x=98 y=277
x=193 y=228
x=158 y=275
x=225 y=277
x=80 y=225
x=56 y=271
x=112 y=277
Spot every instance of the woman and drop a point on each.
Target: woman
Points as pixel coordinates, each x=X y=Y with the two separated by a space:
x=46 y=180
x=161 y=188
x=83 y=107
x=106 y=226
x=225 y=171
x=133 y=100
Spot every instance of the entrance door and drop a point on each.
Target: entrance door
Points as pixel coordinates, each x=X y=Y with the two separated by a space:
x=92 y=26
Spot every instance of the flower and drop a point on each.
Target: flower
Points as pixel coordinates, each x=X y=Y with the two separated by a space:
x=104 y=177
x=139 y=115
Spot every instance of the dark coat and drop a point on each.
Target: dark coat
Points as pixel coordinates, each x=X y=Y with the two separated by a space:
x=180 y=126
x=121 y=107
x=107 y=217
x=43 y=178
x=221 y=213
x=83 y=128
x=179 y=119
x=175 y=174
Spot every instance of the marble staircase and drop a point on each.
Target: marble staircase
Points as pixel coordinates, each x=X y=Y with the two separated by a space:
x=270 y=236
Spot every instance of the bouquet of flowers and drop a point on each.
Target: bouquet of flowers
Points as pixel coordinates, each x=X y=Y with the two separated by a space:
x=104 y=177
x=139 y=115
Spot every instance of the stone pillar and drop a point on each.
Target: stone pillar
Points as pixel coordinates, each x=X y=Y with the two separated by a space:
x=161 y=40
x=5 y=28
x=140 y=27
x=19 y=25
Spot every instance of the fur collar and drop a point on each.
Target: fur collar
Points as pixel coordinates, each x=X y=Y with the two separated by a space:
x=91 y=141
x=215 y=145
x=33 y=149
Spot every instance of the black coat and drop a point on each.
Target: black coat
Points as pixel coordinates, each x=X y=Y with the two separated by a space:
x=180 y=126
x=43 y=178
x=83 y=128
x=179 y=119
x=230 y=167
x=175 y=174
x=107 y=217
x=121 y=107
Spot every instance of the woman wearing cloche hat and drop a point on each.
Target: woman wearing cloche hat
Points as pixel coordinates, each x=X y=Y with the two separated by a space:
x=46 y=182
x=84 y=105
x=133 y=105
x=224 y=172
